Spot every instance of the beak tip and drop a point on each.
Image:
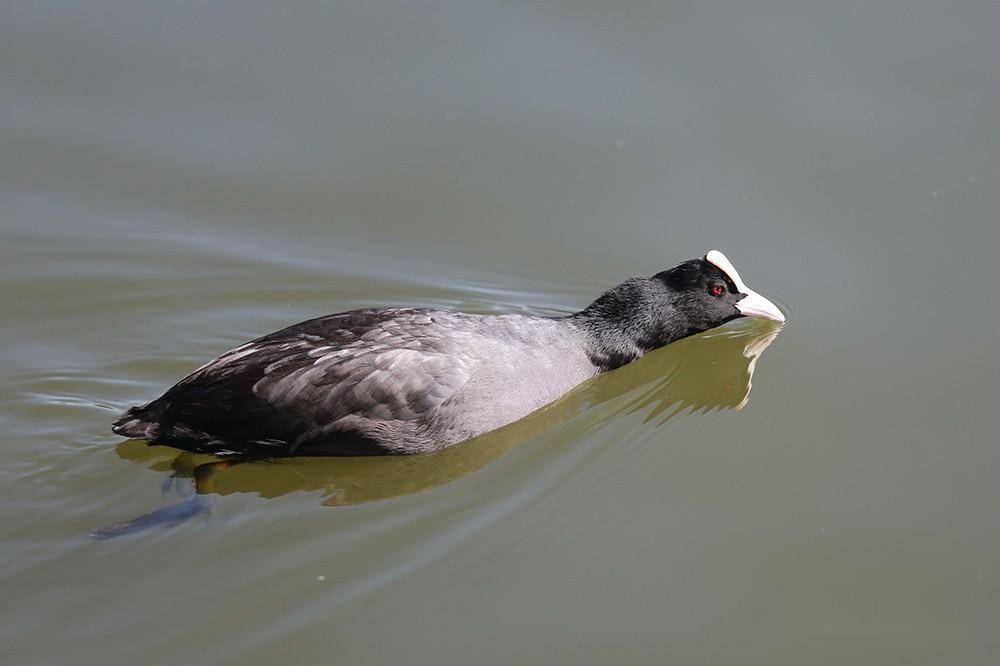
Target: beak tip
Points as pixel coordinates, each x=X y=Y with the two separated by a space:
x=755 y=305
x=777 y=316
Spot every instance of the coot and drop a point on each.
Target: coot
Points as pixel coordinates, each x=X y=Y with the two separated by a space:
x=405 y=380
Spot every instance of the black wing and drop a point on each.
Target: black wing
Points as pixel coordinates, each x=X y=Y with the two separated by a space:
x=311 y=381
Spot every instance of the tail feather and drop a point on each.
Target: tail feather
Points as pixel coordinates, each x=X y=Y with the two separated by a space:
x=133 y=424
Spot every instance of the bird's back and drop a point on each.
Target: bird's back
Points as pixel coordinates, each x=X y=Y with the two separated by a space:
x=367 y=382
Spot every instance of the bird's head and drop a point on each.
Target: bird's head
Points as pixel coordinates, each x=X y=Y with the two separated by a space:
x=709 y=292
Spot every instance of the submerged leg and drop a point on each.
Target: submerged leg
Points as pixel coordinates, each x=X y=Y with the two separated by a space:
x=197 y=504
x=167 y=516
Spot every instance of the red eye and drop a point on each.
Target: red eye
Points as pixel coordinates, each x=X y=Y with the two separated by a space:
x=717 y=290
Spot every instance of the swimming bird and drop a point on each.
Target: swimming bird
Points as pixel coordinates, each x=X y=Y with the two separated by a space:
x=406 y=380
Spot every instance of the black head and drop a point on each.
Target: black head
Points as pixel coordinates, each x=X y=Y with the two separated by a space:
x=642 y=314
x=703 y=294
x=708 y=292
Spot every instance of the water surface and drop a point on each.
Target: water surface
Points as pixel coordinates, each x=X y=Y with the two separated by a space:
x=178 y=178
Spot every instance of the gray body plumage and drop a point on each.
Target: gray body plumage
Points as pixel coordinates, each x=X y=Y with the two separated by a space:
x=419 y=380
x=368 y=382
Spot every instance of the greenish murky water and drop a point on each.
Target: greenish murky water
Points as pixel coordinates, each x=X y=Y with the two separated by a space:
x=178 y=178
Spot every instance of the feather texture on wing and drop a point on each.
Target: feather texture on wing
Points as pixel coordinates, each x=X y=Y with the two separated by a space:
x=310 y=380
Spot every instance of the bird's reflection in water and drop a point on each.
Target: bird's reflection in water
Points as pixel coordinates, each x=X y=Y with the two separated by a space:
x=698 y=374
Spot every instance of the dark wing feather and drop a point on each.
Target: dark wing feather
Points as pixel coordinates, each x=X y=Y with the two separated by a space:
x=314 y=379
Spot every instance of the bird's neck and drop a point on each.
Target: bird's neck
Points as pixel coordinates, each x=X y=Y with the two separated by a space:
x=626 y=322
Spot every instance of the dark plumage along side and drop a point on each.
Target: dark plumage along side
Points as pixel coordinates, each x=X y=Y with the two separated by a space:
x=299 y=384
x=392 y=381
